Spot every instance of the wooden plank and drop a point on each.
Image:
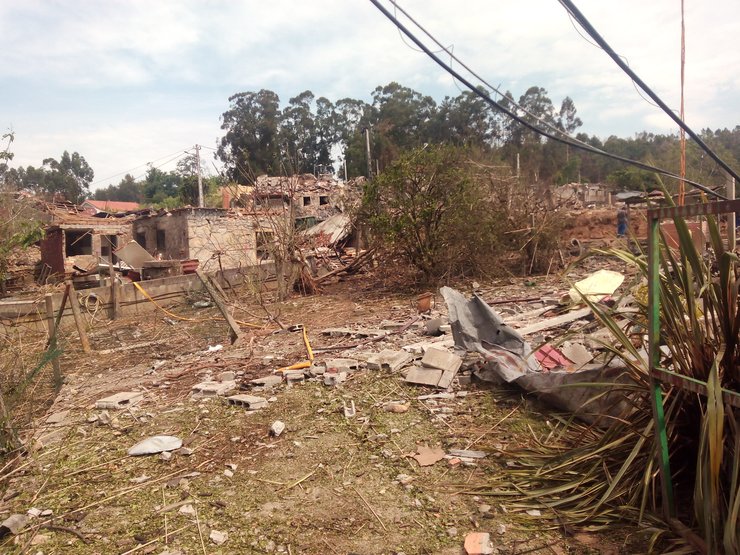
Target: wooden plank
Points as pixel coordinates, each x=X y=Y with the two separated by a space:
x=555 y=322
x=79 y=322
x=236 y=332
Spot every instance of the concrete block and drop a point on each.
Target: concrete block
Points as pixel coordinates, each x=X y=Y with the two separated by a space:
x=294 y=376
x=388 y=359
x=213 y=389
x=250 y=402
x=268 y=381
x=120 y=401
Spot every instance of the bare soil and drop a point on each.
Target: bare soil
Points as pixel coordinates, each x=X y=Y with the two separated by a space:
x=327 y=485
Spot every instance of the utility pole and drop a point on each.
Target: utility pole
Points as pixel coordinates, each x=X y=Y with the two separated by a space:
x=367 y=152
x=200 y=178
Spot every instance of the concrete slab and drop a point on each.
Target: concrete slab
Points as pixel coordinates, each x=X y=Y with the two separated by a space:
x=444 y=360
x=388 y=359
x=120 y=401
x=213 y=389
x=250 y=402
x=424 y=376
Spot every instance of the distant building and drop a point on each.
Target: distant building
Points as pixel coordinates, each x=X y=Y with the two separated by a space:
x=75 y=238
x=109 y=206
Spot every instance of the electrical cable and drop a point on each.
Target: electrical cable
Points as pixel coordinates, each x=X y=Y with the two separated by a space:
x=594 y=34
x=560 y=137
x=134 y=168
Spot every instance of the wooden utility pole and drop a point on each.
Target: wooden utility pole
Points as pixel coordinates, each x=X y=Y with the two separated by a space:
x=75 y=304
x=114 y=300
x=200 y=178
x=49 y=302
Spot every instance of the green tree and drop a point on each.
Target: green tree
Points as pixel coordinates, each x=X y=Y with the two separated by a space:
x=427 y=208
x=250 y=145
x=128 y=190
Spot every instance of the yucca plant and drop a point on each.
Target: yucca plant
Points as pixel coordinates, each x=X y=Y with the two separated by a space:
x=592 y=476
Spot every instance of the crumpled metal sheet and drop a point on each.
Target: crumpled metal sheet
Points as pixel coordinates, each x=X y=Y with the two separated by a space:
x=591 y=393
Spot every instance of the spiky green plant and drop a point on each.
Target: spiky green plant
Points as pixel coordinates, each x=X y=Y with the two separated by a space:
x=591 y=476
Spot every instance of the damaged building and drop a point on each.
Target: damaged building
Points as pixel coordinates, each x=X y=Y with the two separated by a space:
x=74 y=238
x=216 y=237
x=310 y=199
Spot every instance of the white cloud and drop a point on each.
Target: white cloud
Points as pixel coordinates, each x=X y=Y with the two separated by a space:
x=123 y=81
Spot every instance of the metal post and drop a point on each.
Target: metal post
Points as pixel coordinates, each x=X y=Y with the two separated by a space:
x=661 y=437
x=731 y=236
x=367 y=153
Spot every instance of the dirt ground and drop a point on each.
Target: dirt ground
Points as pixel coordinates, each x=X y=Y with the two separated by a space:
x=328 y=484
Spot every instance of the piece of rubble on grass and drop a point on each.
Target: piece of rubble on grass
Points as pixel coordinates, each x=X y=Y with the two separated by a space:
x=478 y=543
x=397 y=407
x=427 y=456
x=334 y=378
x=155 y=444
x=120 y=401
x=219 y=538
x=250 y=402
x=423 y=376
x=388 y=359
x=342 y=364
x=277 y=428
x=422 y=346
x=349 y=410
x=267 y=381
x=13 y=525
x=445 y=361
x=467 y=454
x=58 y=418
x=213 y=389
x=343 y=332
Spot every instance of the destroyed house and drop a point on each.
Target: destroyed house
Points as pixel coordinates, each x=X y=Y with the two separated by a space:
x=217 y=238
x=312 y=199
x=73 y=238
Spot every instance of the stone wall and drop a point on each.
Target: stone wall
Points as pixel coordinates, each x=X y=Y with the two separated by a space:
x=164 y=235
x=225 y=238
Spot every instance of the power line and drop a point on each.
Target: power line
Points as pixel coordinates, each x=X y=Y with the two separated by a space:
x=560 y=136
x=137 y=167
x=576 y=13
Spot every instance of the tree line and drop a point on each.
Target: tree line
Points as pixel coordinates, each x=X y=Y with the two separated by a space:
x=315 y=135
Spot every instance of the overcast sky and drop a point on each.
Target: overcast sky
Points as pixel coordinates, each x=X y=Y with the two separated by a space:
x=125 y=83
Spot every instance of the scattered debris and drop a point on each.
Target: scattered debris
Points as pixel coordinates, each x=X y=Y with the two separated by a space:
x=213 y=389
x=155 y=444
x=250 y=402
x=388 y=359
x=467 y=454
x=277 y=428
x=427 y=456
x=396 y=406
x=478 y=543
x=596 y=287
x=219 y=538
x=120 y=401
x=13 y=525
x=349 y=410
